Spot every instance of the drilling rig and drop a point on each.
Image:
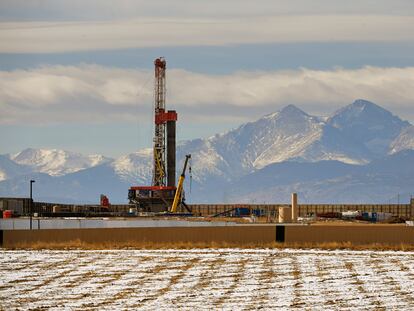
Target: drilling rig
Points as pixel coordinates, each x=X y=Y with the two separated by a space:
x=160 y=195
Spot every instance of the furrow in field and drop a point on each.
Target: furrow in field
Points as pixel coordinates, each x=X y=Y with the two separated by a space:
x=206 y=279
x=230 y=290
x=41 y=274
x=183 y=293
x=139 y=277
x=220 y=279
x=97 y=282
x=330 y=277
x=363 y=280
x=173 y=288
x=393 y=289
x=265 y=278
x=281 y=289
x=298 y=291
x=248 y=284
x=32 y=286
x=194 y=295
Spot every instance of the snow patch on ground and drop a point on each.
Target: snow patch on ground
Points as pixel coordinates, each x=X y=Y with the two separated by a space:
x=206 y=279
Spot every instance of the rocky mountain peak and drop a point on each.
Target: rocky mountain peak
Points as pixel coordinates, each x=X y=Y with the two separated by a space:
x=290 y=110
x=366 y=112
x=369 y=125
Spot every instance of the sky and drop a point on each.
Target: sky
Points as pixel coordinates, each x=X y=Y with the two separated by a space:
x=78 y=75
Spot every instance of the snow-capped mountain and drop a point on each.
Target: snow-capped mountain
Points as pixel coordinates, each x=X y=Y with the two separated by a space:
x=135 y=167
x=56 y=162
x=264 y=160
x=356 y=134
x=368 y=124
x=274 y=138
x=10 y=169
x=404 y=141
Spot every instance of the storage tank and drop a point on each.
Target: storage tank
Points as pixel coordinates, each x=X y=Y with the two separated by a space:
x=285 y=214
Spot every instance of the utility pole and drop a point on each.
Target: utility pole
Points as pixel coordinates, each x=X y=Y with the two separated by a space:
x=31 y=201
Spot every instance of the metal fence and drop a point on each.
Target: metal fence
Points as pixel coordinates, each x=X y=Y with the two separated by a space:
x=272 y=210
x=21 y=206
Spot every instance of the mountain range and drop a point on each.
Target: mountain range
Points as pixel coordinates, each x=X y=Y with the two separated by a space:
x=361 y=153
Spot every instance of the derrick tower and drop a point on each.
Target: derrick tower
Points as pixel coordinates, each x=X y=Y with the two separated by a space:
x=164 y=135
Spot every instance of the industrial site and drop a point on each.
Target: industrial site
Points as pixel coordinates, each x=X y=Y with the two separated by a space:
x=158 y=213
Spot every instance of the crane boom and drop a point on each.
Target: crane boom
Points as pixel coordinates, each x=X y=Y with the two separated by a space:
x=179 y=191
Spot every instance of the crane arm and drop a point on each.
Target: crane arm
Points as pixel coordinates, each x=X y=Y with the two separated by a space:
x=179 y=191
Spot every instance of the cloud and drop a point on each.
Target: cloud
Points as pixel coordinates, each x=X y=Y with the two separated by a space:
x=92 y=93
x=53 y=10
x=142 y=32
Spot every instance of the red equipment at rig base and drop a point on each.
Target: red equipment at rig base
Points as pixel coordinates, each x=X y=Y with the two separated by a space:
x=159 y=196
x=104 y=201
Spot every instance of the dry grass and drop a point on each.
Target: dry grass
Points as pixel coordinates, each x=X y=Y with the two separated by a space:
x=377 y=265
x=175 y=279
x=78 y=244
x=207 y=276
x=231 y=289
x=81 y=278
x=361 y=286
x=320 y=269
x=26 y=266
x=349 y=266
x=266 y=278
x=51 y=279
x=323 y=271
x=296 y=275
x=157 y=269
x=49 y=266
x=268 y=273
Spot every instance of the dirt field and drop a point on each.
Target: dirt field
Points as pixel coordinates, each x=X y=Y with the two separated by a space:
x=205 y=279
